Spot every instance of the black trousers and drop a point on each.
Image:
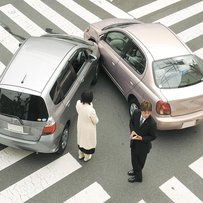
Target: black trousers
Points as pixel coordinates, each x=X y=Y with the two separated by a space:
x=138 y=162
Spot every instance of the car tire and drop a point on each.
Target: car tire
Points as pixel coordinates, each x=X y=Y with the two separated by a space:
x=133 y=105
x=64 y=140
x=95 y=79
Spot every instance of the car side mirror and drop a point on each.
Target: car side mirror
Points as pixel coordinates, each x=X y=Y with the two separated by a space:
x=92 y=58
x=102 y=37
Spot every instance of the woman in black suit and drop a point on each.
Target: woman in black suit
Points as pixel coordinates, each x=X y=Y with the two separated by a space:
x=142 y=132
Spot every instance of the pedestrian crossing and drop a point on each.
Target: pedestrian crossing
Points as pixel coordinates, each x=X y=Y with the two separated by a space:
x=93 y=193
x=151 y=7
x=66 y=165
x=55 y=17
x=178 y=192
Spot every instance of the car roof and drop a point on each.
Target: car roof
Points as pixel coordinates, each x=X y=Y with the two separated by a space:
x=160 y=41
x=35 y=62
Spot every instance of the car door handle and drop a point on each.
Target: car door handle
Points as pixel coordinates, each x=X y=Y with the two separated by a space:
x=113 y=63
x=131 y=83
x=82 y=79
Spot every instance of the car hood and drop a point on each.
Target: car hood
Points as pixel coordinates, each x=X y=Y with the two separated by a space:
x=184 y=100
x=106 y=23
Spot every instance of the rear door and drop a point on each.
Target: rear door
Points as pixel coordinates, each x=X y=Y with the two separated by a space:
x=130 y=68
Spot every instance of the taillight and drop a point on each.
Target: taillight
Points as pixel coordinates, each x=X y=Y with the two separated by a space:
x=163 y=108
x=50 y=127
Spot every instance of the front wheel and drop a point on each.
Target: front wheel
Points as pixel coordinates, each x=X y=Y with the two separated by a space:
x=64 y=140
x=133 y=105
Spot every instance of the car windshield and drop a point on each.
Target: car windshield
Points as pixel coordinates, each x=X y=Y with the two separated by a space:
x=22 y=106
x=178 y=72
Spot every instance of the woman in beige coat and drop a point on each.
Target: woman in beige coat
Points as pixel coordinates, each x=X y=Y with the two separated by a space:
x=86 y=126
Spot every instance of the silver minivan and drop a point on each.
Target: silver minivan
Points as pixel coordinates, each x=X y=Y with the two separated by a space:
x=39 y=89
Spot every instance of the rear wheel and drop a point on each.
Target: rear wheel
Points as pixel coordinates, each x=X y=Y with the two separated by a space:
x=133 y=105
x=64 y=140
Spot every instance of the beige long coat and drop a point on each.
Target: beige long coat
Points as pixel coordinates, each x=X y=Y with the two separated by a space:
x=86 y=125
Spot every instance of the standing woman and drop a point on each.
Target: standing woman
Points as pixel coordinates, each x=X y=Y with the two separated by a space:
x=86 y=126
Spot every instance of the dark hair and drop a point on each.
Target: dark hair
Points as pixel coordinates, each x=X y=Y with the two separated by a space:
x=86 y=97
x=146 y=106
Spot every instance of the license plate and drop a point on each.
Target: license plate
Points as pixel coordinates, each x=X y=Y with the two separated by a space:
x=188 y=124
x=15 y=128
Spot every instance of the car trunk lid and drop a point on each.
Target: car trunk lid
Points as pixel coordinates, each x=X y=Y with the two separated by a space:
x=24 y=130
x=184 y=100
x=22 y=115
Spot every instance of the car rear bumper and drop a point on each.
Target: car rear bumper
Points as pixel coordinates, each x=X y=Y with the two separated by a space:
x=46 y=144
x=179 y=122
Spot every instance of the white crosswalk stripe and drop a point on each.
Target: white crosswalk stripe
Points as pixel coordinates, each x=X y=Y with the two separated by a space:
x=93 y=193
x=151 y=7
x=197 y=166
x=21 y=20
x=110 y=8
x=9 y=156
x=141 y=201
x=182 y=14
x=54 y=17
x=80 y=11
x=40 y=180
x=192 y=32
x=178 y=192
x=8 y=41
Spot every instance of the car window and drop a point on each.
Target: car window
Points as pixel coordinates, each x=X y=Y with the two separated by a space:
x=79 y=58
x=116 y=41
x=135 y=59
x=63 y=84
x=178 y=72
x=22 y=106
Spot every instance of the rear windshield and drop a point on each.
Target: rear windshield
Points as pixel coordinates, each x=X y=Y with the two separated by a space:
x=178 y=72
x=23 y=106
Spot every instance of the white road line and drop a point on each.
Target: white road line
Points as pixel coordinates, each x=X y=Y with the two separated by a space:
x=80 y=11
x=23 y=21
x=93 y=193
x=110 y=8
x=54 y=17
x=8 y=41
x=199 y=53
x=178 y=193
x=2 y=67
x=151 y=7
x=9 y=156
x=182 y=14
x=197 y=166
x=141 y=201
x=192 y=32
x=39 y=180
